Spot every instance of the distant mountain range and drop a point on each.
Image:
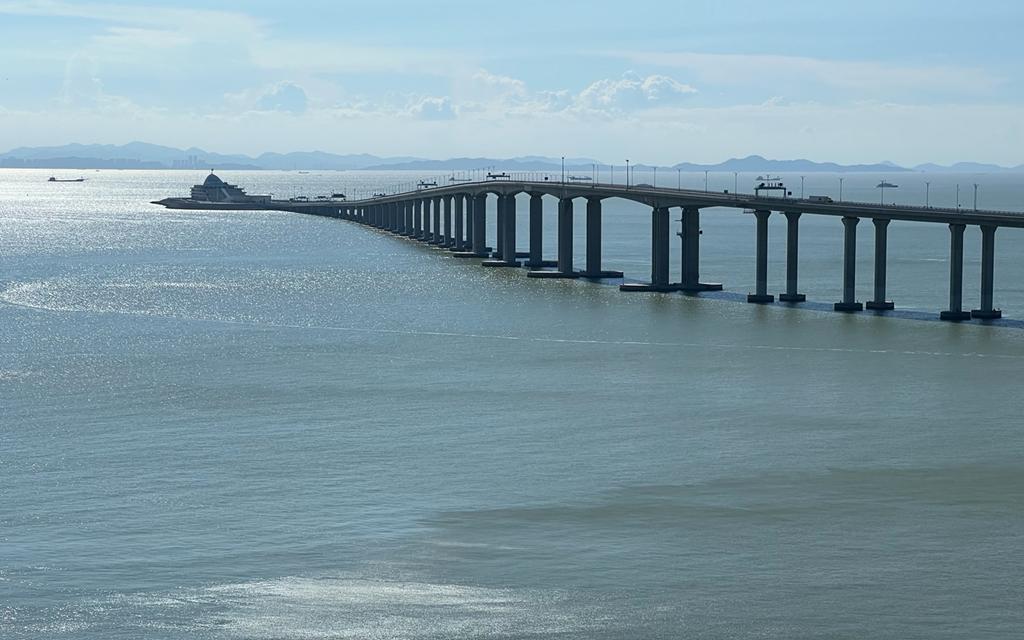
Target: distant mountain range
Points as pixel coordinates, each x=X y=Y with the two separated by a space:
x=141 y=155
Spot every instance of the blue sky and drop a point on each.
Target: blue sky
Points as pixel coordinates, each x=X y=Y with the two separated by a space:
x=663 y=82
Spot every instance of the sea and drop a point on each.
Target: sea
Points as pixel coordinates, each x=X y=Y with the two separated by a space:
x=267 y=425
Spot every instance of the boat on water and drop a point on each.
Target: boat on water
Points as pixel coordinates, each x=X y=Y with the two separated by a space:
x=214 y=193
x=55 y=179
x=886 y=185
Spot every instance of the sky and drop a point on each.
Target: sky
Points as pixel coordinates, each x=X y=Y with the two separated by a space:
x=669 y=81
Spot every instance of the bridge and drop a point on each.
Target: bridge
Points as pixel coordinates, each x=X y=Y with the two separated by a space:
x=453 y=217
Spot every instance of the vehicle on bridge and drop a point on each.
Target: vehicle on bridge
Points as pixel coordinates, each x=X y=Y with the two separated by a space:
x=820 y=199
x=498 y=176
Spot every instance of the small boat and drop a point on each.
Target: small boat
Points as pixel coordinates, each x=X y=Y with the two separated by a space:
x=886 y=185
x=53 y=179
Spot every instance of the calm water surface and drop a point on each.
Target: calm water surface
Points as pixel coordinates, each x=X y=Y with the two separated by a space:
x=268 y=425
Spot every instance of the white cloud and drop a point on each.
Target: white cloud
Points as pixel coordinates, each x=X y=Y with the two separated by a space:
x=632 y=91
x=433 y=109
x=284 y=96
x=861 y=76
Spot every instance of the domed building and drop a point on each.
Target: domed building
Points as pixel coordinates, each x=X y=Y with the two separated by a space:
x=214 y=189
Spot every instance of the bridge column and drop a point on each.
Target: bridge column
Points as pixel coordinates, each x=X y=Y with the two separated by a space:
x=469 y=223
x=409 y=204
x=659 y=255
x=689 y=247
x=480 y=225
x=792 y=258
x=393 y=217
x=956 y=275
x=417 y=219
x=536 y=260
x=849 y=302
x=988 y=253
x=506 y=233
x=435 y=233
x=499 y=229
x=449 y=238
x=761 y=295
x=879 y=303
x=457 y=242
x=593 y=269
x=564 y=268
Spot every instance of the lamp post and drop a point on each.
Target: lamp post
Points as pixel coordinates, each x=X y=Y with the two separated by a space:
x=705 y=181
x=563 y=169
x=627 y=173
x=958 y=196
x=975 y=196
x=679 y=179
x=927 y=189
x=735 y=182
x=654 y=178
x=840 y=189
x=881 y=198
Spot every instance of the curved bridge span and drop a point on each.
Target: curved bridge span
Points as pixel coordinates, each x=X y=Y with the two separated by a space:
x=453 y=217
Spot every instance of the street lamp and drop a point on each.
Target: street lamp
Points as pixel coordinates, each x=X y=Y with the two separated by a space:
x=705 y=181
x=927 y=190
x=801 y=187
x=654 y=178
x=563 y=169
x=975 y=196
x=627 y=173
x=735 y=182
x=840 y=189
x=958 y=196
x=679 y=179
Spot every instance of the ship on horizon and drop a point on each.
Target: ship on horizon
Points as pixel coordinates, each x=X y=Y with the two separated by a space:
x=214 y=193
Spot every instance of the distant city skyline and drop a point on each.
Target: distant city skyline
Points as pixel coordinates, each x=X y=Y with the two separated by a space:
x=908 y=82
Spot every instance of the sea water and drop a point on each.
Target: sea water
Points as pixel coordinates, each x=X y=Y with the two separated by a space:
x=271 y=425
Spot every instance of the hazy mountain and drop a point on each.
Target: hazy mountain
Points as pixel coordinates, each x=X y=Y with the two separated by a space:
x=755 y=164
x=142 y=155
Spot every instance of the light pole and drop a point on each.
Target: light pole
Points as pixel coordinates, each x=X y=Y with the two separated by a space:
x=679 y=179
x=840 y=189
x=705 y=181
x=881 y=198
x=563 y=169
x=654 y=178
x=735 y=182
x=627 y=173
x=958 y=196
x=975 y=196
x=927 y=189
x=801 y=187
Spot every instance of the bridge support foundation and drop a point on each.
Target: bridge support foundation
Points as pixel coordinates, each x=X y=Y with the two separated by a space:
x=564 y=266
x=689 y=236
x=849 y=302
x=955 y=313
x=593 y=269
x=761 y=295
x=988 y=253
x=506 y=253
x=536 y=258
x=435 y=227
x=879 y=303
x=458 y=240
x=792 y=259
x=659 y=256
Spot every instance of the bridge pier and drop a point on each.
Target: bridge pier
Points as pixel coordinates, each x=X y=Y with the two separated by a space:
x=393 y=217
x=988 y=252
x=849 y=302
x=480 y=225
x=879 y=303
x=564 y=268
x=792 y=258
x=457 y=243
x=435 y=229
x=506 y=233
x=417 y=219
x=536 y=257
x=468 y=245
x=659 y=256
x=499 y=229
x=448 y=238
x=955 y=313
x=761 y=295
x=593 y=269
x=689 y=241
